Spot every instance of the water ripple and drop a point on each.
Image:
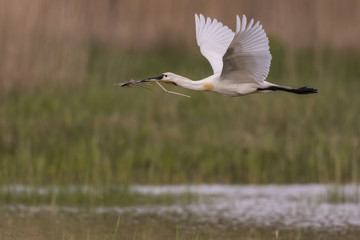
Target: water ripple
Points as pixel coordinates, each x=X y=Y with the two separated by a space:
x=282 y=206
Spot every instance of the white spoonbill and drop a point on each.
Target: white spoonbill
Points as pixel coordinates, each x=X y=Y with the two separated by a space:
x=240 y=61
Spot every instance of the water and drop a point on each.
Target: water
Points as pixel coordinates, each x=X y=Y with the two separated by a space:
x=210 y=212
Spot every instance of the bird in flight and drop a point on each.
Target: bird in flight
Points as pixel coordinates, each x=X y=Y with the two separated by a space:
x=240 y=61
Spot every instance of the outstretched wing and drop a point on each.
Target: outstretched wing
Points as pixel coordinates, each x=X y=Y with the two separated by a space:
x=248 y=57
x=213 y=39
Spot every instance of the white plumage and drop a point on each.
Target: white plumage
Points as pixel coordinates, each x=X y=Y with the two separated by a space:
x=240 y=60
x=213 y=39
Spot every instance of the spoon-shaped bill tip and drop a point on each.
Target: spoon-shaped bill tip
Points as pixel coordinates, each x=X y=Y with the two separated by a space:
x=135 y=82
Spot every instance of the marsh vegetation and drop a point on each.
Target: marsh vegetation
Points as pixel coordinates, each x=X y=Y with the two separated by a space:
x=94 y=132
x=83 y=159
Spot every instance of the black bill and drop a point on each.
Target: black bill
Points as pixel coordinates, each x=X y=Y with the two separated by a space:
x=135 y=82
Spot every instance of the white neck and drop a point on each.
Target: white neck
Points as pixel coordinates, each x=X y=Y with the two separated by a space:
x=190 y=84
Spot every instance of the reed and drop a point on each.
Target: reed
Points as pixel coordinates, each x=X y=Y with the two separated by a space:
x=92 y=132
x=51 y=46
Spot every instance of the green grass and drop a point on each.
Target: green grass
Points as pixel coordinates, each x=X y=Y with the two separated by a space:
x=112 y=227
x=95 y=133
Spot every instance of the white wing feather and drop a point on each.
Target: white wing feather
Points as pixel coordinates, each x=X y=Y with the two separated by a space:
x=248 y=57
x=213 y=39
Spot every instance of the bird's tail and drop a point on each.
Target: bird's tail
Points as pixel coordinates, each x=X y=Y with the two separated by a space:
x=302 y=90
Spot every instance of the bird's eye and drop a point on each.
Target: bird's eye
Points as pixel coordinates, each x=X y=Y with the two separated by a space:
x=165 y=75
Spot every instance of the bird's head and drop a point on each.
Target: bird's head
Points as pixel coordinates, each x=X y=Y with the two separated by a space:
x=167 y=77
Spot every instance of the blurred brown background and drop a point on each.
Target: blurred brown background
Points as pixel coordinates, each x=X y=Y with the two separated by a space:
x=48 y=39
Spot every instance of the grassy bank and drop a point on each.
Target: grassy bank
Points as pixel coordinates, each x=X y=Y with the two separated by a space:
x=93 y=132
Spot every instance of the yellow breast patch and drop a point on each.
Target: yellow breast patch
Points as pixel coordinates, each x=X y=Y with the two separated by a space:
x=208 y=86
